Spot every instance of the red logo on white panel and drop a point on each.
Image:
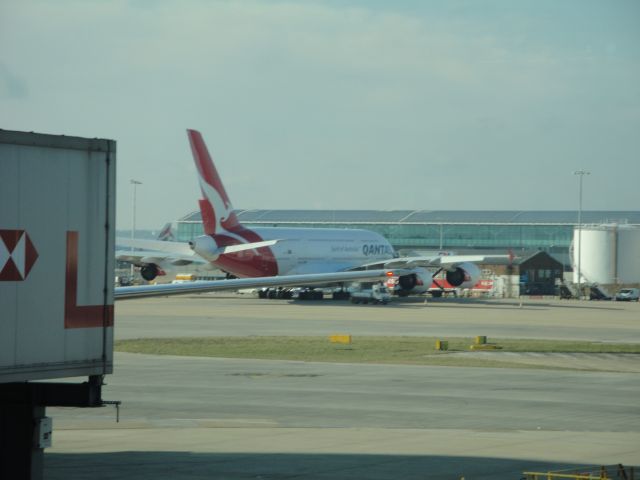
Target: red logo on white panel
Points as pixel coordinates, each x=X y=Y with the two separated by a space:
x=17 y=255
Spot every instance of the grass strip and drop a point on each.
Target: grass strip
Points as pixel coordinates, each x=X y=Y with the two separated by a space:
x=365 y=349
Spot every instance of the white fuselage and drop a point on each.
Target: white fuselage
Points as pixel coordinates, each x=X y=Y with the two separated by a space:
x=307 y=250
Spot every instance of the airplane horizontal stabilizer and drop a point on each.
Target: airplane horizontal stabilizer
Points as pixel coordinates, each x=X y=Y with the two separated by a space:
x=245 y=246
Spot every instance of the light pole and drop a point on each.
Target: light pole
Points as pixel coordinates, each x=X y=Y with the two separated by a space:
x=135 y=184
x=581 y=174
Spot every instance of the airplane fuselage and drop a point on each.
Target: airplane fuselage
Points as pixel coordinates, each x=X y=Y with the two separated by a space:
x=302 y=251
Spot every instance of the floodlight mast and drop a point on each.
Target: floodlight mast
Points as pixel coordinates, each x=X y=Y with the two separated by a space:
x=135 y=184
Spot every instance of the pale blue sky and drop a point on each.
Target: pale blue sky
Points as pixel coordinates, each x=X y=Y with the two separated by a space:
x=339 y=104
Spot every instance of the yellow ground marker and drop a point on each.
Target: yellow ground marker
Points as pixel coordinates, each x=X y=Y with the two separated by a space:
x=346 y=339
x=480 y=343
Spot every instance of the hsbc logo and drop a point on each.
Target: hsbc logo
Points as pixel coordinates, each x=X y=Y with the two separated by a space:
x=17 y=255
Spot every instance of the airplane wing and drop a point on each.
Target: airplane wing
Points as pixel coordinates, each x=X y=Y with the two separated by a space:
x=159 y=252
x=177 y=249
x=140 y=258
x=444 y=261
x=122 y=293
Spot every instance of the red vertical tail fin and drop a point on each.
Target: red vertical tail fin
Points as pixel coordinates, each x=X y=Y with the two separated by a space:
x=216 y=209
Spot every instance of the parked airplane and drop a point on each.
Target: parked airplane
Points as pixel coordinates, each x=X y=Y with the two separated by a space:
x=166 y=233
x=286 y=257
x=154 y=262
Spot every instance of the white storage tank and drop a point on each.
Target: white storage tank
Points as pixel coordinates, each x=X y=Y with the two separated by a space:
x=610 y=254
x=628 y=255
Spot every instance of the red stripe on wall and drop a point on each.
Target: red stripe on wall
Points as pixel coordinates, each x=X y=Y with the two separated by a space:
x=83 y=316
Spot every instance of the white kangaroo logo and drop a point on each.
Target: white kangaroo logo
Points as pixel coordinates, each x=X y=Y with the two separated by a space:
x=221 y=211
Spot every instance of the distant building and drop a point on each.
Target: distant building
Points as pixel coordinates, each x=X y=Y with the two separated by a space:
x=462 y=231
x=532 y=273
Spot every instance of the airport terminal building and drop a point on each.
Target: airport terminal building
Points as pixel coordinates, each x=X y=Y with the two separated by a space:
x=461 y=231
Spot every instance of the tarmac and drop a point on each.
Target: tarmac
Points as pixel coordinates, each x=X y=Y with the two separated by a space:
x=225 y=314
x=197 y=418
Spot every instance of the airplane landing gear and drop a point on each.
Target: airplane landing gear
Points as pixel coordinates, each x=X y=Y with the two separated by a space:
x=275 y=293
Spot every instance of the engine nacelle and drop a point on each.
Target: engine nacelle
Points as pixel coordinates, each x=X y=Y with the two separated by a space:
x=407 y=282
x=149 y=271
x=465 y=275
x=413 y=283
x=206 y=247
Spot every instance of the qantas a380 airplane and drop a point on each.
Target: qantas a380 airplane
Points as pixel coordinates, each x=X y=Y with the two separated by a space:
x=285 y=257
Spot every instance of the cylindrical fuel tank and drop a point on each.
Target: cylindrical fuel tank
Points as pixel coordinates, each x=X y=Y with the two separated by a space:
x=609 y=254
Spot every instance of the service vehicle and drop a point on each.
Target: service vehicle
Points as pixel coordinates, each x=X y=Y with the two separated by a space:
x=378 y=293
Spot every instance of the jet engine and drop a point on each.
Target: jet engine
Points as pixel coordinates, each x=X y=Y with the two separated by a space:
x=412 y=283
x=407 y=282
x=465 y=275
x=149 y=271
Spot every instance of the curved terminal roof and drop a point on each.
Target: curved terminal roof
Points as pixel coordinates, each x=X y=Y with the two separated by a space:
x=530 y=217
